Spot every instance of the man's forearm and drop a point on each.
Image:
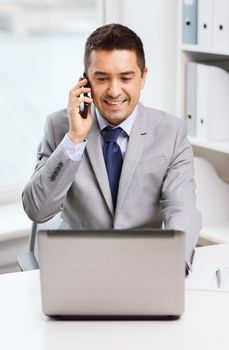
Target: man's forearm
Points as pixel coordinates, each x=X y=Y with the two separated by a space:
x=44 y=195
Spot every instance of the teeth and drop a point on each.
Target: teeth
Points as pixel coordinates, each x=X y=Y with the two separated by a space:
x=114 y=103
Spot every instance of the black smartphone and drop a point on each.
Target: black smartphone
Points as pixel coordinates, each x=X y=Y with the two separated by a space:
x=84 y=106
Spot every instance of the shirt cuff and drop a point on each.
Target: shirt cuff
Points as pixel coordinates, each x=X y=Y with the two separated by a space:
x=73 y=151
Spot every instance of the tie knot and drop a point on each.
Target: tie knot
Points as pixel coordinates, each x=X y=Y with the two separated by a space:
x=111 y=134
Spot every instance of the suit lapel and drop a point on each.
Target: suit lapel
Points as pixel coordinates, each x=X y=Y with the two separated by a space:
x=95 y=154
x=133 y=154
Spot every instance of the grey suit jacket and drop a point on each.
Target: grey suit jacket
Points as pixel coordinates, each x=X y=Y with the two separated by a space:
x=156 y=183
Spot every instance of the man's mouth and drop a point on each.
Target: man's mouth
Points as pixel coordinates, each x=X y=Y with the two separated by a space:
x=114 y=104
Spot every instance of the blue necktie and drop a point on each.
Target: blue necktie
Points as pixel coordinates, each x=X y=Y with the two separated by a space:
x=113 y=158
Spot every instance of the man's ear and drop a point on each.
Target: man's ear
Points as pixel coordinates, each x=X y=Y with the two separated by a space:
x=144 y=77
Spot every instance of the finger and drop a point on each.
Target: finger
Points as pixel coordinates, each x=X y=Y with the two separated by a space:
x=83 y=99
x=79 y=91
x=80 y=100
x=87 y=99
x=81 y=82
x=76 y=99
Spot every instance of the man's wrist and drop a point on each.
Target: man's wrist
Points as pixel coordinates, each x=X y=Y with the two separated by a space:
x=75 y=138
x=73 y=151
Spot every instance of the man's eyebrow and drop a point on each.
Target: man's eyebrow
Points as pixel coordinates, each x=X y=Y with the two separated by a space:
x=131 y=72
x=100 y=73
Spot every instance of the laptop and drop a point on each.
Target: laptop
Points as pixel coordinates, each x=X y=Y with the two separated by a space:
x=136 y=273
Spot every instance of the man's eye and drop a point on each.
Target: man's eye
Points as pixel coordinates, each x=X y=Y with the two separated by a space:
x=126 y=78
x=101 y=79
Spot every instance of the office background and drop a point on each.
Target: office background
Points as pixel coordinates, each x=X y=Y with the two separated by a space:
x=41 y=45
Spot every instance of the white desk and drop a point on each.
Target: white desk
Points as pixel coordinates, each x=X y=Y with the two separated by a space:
x=204 y=325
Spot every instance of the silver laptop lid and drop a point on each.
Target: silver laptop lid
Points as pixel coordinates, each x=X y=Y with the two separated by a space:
x=112 y=272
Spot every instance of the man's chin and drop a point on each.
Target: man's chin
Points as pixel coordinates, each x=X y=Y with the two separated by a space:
x=115 y=118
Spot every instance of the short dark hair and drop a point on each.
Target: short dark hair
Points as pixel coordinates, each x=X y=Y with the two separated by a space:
x=114 y=37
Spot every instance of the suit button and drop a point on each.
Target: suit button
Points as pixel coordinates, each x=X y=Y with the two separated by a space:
x=53 y=177
x=60 y=164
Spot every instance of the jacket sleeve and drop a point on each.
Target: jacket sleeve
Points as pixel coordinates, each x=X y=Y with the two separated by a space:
x=178 y=199
x=44 y=195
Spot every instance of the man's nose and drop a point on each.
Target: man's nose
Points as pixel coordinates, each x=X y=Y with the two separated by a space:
x=114 y=89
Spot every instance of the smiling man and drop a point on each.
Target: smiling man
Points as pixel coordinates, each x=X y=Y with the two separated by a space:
x=117 y=81
x=124 y=165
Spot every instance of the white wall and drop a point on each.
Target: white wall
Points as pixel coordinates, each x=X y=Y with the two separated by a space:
x=155 y=21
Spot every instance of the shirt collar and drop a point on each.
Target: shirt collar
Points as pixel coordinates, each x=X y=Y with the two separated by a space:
x=126 y=125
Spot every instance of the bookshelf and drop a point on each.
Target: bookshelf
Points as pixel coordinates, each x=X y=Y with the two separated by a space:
x=210 y=51
x=222 y=147
x=216 y=153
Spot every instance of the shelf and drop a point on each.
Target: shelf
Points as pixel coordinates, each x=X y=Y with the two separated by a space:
x=222 y=147
x=198 y=49
x=216 y=233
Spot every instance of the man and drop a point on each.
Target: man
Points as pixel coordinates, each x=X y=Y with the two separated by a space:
x=124 y=165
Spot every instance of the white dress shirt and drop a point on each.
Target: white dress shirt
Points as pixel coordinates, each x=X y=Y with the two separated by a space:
x=75 y=151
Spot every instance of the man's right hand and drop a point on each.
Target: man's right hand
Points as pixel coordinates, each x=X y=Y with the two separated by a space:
x=78 y=126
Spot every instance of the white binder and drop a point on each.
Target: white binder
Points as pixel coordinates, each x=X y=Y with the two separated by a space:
x=221 y=24
x=212 y=96
x=202 y=96
x=190 y=110
x=205 y=23
x=207 y=102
